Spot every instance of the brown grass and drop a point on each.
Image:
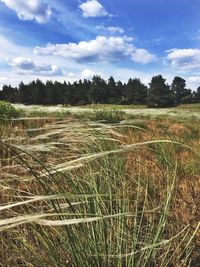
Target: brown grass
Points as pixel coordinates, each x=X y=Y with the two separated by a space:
x=185 y=210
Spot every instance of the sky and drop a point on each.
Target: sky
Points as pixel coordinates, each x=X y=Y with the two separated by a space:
x=76 y=39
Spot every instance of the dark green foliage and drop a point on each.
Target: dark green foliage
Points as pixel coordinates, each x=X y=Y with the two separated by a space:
x=159 y=95
x=111 y=91
x=180 y=93
x=197 y=95
x=178 y=89
x=9 y=93
x=7 y=111
x=136 y=92
x=98 y=90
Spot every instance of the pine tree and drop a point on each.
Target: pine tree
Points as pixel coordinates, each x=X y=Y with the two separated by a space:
x=197 y=95
x=111 y=91
x=178 y=88
x=159 y=94
x=97 y=91
x=136 y=92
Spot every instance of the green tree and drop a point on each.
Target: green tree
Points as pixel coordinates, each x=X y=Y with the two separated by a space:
x=111 y=93
x=51 y=93
x=97 y=91
x=37 y=92
x=159 y=94
x=197 y=95
x=58 y=92
x=9 y=94
x=180 y=92
x=136 y=92
x=25 y=93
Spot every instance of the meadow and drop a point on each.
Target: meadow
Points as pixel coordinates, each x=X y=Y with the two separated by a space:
x=100 y=186
x=185 y=111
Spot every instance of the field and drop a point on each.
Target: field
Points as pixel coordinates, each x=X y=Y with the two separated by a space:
x=191 y=111
x=100 y=186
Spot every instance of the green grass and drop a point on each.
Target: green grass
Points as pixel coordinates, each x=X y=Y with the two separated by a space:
x=190 y=106
x=43 y=113
x=111 y=115
x=113 y=106
x=99 y=112
x=93 y=194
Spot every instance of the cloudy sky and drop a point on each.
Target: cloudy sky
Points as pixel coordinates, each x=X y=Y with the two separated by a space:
x=72 y=39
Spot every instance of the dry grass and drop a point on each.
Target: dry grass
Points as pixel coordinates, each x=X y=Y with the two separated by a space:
x=100 y=158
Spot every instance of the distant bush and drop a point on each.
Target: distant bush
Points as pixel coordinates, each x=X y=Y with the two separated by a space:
x=112 y=116
x=7 y=111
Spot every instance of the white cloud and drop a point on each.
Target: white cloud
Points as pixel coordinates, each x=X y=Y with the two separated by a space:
x=24 y=65
x=115 y=30
x=193 y=82
x=84 y=74
x=195 y=79
x=184 y=59
x=30 y=9
x=101 y=49
x=88 y=74
x=13 y=75
x=92 y=8
x=111 y=29
x=142 y=56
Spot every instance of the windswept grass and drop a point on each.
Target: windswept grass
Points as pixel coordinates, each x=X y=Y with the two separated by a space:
x=95 y=194
x=103 y=115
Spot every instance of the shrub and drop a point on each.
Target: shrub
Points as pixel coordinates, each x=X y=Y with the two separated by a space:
x=7 y=111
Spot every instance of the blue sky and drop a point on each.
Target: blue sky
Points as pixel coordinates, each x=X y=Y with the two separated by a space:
x=73 y=39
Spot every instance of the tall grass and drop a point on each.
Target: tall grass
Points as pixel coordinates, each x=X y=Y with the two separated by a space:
x=111 y=115
x=94 y=198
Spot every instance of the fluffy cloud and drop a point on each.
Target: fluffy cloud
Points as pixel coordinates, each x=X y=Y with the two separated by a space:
x=27 y=66
x=88 y=74
x=30 y=9
x=92 y=8
x=84 y=74
x=101 y=49
x=184 y=59
x=140 y=55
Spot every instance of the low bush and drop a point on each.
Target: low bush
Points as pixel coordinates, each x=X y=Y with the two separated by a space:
x=7 y=111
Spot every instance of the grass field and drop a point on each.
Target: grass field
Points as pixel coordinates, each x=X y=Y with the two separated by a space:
x=191 y=111
x=100 y=186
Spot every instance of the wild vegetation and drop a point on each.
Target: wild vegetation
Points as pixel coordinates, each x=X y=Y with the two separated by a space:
x=7 y=111
x=158 y=94
x=109 y=190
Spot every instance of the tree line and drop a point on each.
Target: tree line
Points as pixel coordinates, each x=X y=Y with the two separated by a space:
x=98 y=90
